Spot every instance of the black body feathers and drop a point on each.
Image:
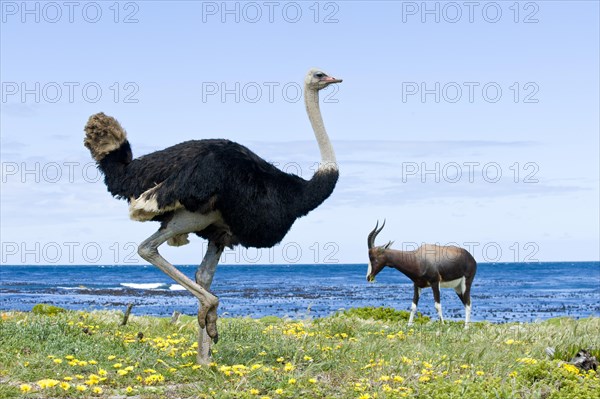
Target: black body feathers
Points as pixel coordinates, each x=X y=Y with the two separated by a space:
x=258 y=202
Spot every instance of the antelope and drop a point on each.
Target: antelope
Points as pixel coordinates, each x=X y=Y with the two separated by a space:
x=429 y=265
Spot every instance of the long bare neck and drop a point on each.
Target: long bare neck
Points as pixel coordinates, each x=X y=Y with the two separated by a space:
x=311 y=99
x=321 y=185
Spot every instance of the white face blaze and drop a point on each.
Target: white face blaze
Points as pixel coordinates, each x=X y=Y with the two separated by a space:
x=369 y=269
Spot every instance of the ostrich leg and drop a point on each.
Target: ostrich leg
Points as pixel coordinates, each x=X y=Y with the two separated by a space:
x=184 y=222
x=204 y=277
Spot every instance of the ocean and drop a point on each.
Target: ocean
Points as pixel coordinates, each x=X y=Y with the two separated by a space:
x=501 y=292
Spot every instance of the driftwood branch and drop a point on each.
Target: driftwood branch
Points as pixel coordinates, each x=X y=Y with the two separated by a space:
x=127 y=313
x=175 y=317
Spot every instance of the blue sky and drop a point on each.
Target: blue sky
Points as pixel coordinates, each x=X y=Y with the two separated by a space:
x=480 y=128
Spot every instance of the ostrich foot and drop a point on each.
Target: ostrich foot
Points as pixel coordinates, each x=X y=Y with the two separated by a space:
x=207 y=319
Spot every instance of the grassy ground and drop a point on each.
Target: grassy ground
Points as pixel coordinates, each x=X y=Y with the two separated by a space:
x=364 y=353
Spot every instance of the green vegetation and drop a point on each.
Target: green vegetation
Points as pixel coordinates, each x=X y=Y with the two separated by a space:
x=384 y=314
x=43 y=308
x=361 y=353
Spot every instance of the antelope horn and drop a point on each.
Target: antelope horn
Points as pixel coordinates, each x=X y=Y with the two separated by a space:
x=373 y=234
x=388 y=245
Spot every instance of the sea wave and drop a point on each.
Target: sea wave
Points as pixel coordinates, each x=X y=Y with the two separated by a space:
x=147 y=286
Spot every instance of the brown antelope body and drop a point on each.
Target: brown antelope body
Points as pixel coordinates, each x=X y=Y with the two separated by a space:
x=429 y=265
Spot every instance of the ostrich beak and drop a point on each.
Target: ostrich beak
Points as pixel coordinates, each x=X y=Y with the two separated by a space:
x=329 y=79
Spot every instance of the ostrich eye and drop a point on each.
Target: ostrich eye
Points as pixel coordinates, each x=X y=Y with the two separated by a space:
x=319 y=75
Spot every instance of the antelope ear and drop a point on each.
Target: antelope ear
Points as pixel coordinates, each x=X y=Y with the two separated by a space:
x=388 y=245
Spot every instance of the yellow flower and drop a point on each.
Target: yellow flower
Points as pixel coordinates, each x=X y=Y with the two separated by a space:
x=129 y=389
x=129 y=368
x=149 y=371
x=527 y=360
x=364 y=396
x=480 y=373
x=254 y=391
x=65 y=385
x=57 y=361
x=458 y=382
x=154 y=379
x=263 y=353
x=256 y=366
x=397 y=378
x=509 y=341
x=288 y=367
x=70 y=357
x=117 y=365
x=292 y=381
x=424 y=378
x=384 y=378
x=68 y=378
x=464 y=366
x=312 y=380
x=102 y=372
x=591 y=374
x=122 y=372
x=25 y=388
x=308 y=358
x=93 y=362
x=513 y=374
x=48 y=383
x=112 y=357
x=97 y=390
x=570 y=368
x=280 y=359
x=81 y=388
x=279 y=391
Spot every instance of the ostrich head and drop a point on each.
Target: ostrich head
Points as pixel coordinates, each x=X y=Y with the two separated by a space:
x=316 y=79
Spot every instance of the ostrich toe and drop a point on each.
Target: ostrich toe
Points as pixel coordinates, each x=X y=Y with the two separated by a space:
x=211 y=324
x=207 y=318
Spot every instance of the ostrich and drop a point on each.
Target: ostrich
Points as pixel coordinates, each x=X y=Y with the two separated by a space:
x=215 y=188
